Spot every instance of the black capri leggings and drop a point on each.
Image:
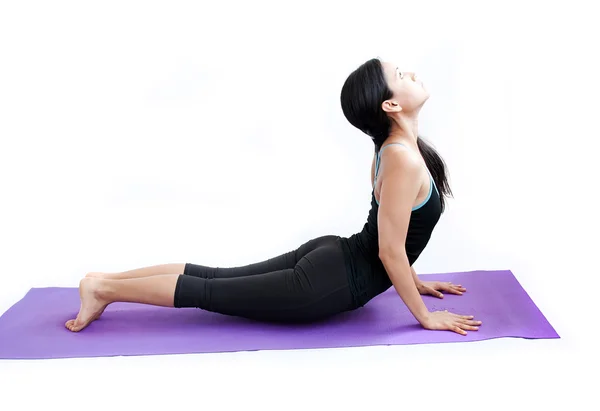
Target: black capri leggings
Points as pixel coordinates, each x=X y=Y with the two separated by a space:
x=309 y=283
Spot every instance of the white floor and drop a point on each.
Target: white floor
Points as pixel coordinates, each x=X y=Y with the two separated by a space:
x=489 y=375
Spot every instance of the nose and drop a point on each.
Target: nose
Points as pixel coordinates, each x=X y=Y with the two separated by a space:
x=416 y=79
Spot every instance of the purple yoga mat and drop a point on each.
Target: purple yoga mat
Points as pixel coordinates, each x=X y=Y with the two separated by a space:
x=34 y=327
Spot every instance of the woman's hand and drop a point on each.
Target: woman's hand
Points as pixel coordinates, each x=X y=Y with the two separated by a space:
x=434 y=288
x=443 y=320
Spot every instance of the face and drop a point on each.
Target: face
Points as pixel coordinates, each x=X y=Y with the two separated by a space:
x=409 y=94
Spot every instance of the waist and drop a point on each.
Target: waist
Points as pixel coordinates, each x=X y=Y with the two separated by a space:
x=366 y=274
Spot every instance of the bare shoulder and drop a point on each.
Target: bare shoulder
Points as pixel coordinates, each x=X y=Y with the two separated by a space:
x=400 y=161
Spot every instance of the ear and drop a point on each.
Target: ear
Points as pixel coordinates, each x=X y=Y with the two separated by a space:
x=391 y=106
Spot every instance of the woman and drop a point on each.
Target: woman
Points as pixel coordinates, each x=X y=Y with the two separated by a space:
x=331 y=274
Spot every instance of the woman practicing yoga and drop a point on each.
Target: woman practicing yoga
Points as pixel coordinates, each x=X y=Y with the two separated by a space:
x=330 y=274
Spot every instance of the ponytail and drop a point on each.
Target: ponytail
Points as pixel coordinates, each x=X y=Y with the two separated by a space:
x=437 y=168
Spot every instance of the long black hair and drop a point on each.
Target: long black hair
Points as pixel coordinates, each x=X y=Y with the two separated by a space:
x=362 y=94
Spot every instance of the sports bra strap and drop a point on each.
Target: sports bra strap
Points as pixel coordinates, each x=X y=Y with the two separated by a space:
x=378 y=159
x=378 y=162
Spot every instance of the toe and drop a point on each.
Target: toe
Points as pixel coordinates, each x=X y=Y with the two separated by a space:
x=78 y=325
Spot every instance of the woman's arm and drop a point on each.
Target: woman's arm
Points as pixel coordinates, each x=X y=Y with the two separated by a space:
x=396 y=198
x=415 y=277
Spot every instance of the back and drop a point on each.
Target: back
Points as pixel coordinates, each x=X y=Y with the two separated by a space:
x=367 y=271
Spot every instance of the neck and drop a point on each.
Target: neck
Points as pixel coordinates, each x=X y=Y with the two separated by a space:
x=404 y=129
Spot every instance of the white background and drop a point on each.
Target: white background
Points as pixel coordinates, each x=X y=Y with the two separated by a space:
x=141 y=133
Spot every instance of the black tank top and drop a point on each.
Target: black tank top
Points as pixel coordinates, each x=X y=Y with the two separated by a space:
x=367 y=275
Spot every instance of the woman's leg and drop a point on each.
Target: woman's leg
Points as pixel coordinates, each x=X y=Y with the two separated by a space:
x=315 y=288
x=97 y=293
x=281 y=262
x=162 y=269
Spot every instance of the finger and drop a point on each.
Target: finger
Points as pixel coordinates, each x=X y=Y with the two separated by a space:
x=453 y=291
x=466 y=317
x=469 y=322
x=468 y=327
x=450 y=288
x=434 y=292
x=458 y=330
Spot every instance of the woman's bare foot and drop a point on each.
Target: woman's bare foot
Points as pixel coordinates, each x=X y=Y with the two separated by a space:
x=92 y=305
